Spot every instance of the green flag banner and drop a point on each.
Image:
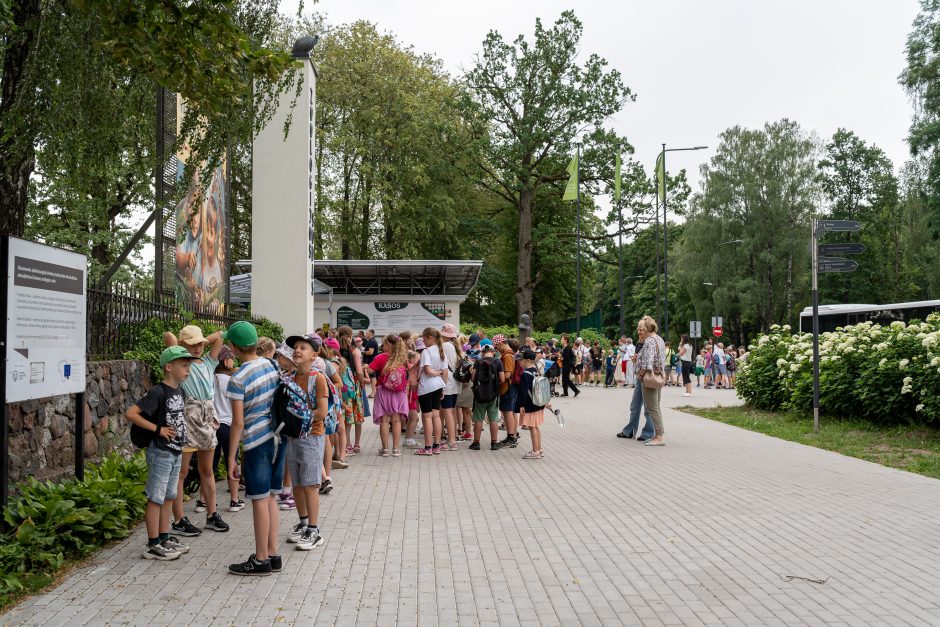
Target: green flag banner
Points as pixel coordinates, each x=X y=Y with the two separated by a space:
x=571 y=190
x=660 y=177
x=617 y=181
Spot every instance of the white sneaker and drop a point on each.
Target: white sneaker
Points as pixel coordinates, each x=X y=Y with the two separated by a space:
x=686 y=394
x=310 y=539
x=410 y=443
x=293 y=536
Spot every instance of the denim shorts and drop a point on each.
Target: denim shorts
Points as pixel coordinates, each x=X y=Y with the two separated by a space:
x=449 y=401
x=507 y=402
x=722 y=369
x=263 y=467
x=163 y=474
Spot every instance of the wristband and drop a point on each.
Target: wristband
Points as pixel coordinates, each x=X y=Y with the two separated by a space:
x=157 y=430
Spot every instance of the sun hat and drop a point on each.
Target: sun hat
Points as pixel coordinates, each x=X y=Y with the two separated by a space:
x=419 y=344
x=242 y=333
x=190 y=335
x=225 y=353
x=498 y=339
x=173 y=353
x=332 y=342
x=449 y=331
x=311 y=339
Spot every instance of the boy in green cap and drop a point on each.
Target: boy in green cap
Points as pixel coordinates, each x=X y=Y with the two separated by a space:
x=251 y=390
x=160 y=413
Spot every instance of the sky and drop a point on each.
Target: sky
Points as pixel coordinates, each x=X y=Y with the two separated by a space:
x=697 y=66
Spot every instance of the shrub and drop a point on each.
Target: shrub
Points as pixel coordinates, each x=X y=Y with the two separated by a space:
x=881 y=373
x=589 y=335
x=49 y=523
x=149 y=342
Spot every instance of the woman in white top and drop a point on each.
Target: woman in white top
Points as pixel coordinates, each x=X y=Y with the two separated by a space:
x=431 y=382
x=453 y=387
x=685 y=358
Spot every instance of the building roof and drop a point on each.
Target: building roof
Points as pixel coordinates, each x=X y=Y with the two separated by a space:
x=364 y=277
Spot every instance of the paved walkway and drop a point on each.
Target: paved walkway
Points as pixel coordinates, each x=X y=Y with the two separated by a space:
x=601 y=532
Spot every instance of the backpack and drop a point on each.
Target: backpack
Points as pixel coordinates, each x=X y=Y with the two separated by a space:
x=541 y=392
x=516 y=373
x=140 y=437
x=331 y=420
x=485 y=382
x=396 y=380
x=464 y=372
x=350 y=382
x=291 y=414
x=730 y=359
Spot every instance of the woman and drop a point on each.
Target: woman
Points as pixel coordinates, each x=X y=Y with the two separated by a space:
x=685 y=357
x=352 y=390
x=431 y=382
x=652 y=359
x=453 y=387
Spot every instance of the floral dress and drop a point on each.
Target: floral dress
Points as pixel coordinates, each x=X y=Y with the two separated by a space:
x=352 y=394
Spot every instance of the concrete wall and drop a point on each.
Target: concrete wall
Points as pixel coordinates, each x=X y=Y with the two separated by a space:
x=42 y=432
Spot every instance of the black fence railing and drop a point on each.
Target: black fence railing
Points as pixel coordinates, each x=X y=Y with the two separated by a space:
x=116 y=317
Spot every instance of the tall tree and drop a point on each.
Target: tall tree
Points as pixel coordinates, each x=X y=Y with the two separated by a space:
x=532 y=101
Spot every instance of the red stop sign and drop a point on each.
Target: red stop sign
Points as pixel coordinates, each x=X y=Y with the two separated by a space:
x=716 y=331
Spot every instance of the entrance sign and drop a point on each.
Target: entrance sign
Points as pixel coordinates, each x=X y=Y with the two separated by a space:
x=45 y=321
x=841 y=249
x=390 y=317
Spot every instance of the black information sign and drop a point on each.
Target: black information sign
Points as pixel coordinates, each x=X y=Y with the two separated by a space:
x=841 y=249
x=349 y=317
x=836 y=264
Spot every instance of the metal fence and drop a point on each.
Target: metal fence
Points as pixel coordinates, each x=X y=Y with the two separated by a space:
x=116 y=316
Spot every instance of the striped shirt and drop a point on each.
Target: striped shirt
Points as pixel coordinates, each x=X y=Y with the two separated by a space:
x=254 y=384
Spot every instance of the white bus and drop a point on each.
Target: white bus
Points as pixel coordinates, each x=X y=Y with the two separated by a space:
x=832 y=316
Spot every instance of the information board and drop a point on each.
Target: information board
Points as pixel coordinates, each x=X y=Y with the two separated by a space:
x=46 y=318
x=391 y=317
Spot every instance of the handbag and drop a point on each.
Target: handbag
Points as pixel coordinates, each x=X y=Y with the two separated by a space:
x=654 y=378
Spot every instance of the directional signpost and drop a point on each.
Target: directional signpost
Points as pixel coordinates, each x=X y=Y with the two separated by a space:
x=822 y=262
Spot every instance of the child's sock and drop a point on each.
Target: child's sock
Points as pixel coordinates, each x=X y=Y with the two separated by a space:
x=288 y=490
x=315 y=528
x=305 y=521
x=153 y=541
x=164 y=537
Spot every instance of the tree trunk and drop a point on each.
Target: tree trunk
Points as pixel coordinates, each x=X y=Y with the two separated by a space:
x=524 y=265
x=789 y=291
x=17 y=158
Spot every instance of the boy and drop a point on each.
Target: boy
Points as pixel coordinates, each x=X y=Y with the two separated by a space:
x=251 y=390
x=483 y=407
x=305 y=454
x=161 y=412
x=507 y=391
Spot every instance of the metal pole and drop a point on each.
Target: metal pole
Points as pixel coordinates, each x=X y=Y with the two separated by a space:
x=5 y=421
x=577 y=181
x=80 y=436
x=659 y=276
x=159 y=197
x=665 y=256
x=815 y=330
x=620 y=250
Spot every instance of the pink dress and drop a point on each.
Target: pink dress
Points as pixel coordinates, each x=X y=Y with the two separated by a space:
x=387 y=402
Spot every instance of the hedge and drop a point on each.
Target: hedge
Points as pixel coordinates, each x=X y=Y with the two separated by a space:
x=589 y=335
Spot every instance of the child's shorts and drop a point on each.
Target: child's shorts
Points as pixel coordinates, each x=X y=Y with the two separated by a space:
x=263 y=467
x=305 y=459
x=163 y=474
x=486 y=411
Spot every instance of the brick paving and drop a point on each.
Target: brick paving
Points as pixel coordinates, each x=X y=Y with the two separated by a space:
x=601 y=532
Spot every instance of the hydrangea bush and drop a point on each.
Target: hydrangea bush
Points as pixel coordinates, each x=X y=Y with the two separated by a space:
x=881 y=373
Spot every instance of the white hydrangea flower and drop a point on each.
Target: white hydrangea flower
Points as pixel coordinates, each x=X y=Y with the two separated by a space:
x=783 y=362
x=883 y=361
x=919 y=408
x=786 y=327
x=897 y=325
x=903 y=363
x=907 y=380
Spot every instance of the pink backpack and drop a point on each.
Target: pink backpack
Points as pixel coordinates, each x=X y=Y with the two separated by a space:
x=396 y=380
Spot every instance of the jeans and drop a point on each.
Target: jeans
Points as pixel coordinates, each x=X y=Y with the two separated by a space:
x=635 y=406
x=566 y=381
x=609 y=379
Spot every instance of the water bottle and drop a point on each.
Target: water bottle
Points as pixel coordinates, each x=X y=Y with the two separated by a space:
x=561 y=419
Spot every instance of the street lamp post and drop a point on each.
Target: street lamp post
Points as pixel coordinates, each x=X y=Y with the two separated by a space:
x=666 y=239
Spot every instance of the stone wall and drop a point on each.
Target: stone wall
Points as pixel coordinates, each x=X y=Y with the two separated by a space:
x=42 y=432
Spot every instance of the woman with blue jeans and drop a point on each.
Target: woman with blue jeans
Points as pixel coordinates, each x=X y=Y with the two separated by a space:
x=636 y=406
x=652 y=359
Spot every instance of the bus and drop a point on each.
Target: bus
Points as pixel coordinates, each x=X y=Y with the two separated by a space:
x=833 y=316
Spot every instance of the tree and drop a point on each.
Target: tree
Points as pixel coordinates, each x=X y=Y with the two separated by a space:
x=530 y=103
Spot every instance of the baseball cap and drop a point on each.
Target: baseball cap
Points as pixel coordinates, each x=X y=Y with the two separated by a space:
x=474 y=339
x=527 y=353
x=332 y=342
x=173 y=353
x=311 y=339
x=242 y=333
x=190 y=335
x=488 y=348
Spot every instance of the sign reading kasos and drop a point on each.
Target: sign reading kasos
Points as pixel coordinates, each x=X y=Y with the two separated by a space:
x=45 y=327
x=390 y=317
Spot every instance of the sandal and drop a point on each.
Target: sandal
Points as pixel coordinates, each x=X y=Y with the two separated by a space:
x=396 y=452
x=383 y=452
x=423 y=451
x=357 y=449
x=350 y=451
x=532 y=455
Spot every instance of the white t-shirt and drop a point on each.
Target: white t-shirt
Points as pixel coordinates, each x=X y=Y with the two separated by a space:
x=426 y=383
x=453 y=386
x=719 y=356
x=687 y=356
x=628 y=352
x=223 y=406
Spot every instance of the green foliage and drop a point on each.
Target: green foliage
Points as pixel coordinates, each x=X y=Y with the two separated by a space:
x=884 y=374
x=149 y=343
x=588 y=335
x=49 y=523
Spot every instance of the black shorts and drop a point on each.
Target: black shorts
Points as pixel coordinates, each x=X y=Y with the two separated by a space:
x=596 y=365
x=449 y=401
x=578 y=368
x=430 y=401
x=686 y=372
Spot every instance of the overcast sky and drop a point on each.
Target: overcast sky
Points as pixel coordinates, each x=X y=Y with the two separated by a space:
x=698 y=66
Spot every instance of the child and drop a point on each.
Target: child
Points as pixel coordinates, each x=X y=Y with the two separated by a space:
x=391 y=392
x=431 y=382
x=251 y=390
x=699 y=368
x=223 y=410
x=330 y=352
x=487 y=371
x=414 y=360
x=201 y=426
x=161 y=412
x=610 y=365
x=532 y=415
x=305 y=454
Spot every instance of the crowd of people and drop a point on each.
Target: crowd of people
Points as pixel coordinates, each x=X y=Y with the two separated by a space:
x=282 y=416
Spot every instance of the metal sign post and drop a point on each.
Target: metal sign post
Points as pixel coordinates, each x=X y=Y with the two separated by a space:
x=5 y=417
x=815 y=331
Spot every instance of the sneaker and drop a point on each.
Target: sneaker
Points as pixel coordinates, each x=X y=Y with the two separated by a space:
x=252 y=567
x=326 y=487
x=185 y=528
x=215 y=523
x=309 y=540
x=173 y=543
x=286 y=504
x=510 y=441
x=295 y=532
x=495 y=446
x=410 y=443
x=686 y=394
x=474 y=447
x=236 y=506
x=276 y=562
x=339 y=464
x=160 y=552
x=452 y=447
x=200 y=507
x=466 y=436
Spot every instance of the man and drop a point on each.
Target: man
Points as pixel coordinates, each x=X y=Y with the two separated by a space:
x=370 y=350
x=507 y=391
x=567 y=366
x=636 y=404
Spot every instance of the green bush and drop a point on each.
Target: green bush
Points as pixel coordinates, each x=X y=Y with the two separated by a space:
x=149 y=342
x=885 y=374
x=49 y=523
x=589 y=335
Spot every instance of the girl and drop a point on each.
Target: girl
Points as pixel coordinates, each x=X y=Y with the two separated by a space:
x=431 y=382
x=532 y=415
x=465 y=399
x=334 y=366
x=452 y=354
x=391 y=391
x=223 y=411
x=414 y=358
x=352 y=380
x=597 y=363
